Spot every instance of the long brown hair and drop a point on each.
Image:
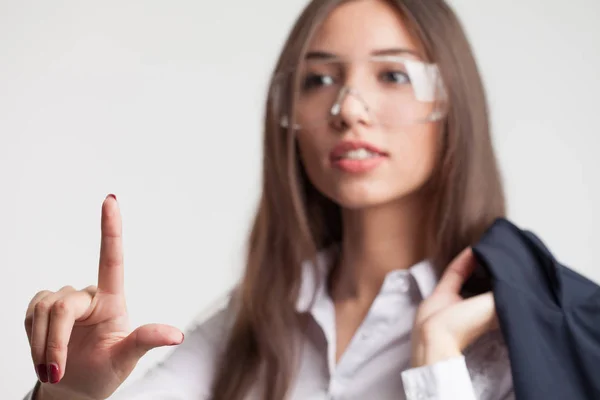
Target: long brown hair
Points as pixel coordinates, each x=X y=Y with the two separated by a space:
x=294 y=221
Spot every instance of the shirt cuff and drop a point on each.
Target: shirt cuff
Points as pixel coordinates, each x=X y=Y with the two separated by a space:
x=445 y=380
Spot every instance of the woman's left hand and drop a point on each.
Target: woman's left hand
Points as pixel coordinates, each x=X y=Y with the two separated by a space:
x=446 y=323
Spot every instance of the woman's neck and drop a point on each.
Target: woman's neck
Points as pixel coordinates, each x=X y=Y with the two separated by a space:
x=376 y=241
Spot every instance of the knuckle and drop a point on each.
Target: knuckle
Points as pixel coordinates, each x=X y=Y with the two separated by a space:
x=426 y=326
x=431 y=327
x=42 y=307
x=37 y=350
x=67 y=288
x=55 y=347
x=92 y=289
x=112 y=263
x=454 y=273
x=37 y=297
x=60 y=308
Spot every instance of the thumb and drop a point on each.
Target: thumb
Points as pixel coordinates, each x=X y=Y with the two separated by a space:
x=143 y=339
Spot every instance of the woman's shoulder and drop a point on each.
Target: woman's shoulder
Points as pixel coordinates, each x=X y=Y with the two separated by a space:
x=213 y=324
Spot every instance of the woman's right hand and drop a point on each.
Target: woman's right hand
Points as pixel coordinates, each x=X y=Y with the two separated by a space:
x=446 y=324
x=81 y=343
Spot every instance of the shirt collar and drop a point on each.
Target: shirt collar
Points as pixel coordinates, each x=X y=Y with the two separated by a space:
x=314 y=279
x=426 y=277
x=313 y=285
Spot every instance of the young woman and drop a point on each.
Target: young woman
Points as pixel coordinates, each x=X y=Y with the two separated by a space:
x=378 y=175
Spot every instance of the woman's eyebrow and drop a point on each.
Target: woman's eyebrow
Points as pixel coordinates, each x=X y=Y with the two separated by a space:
x=325 y=55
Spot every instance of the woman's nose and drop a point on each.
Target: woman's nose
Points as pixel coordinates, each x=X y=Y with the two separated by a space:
x=349 y=109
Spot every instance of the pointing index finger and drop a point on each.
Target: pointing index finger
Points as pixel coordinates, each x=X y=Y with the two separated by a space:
x=110 y=271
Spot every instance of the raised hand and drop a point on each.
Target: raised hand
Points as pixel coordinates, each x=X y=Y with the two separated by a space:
x=446 y=323
x=81 y=343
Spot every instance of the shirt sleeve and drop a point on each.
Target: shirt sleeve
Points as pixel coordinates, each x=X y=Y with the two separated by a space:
x=445 y=380
x=186 y=373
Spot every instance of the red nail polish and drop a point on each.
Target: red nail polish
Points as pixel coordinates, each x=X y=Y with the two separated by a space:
x=113 y=196
x=53 y=372
x=42 y=373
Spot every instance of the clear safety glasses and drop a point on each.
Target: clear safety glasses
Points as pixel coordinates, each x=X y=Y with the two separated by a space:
x=392 y=91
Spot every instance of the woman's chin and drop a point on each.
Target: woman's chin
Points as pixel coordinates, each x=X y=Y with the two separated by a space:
x=353 y=200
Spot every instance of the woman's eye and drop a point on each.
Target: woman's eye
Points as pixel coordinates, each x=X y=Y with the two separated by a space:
x=314 y=81
x=398 y=77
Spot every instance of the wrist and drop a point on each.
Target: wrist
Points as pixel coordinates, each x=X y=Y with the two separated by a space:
x=430 y=348
x=43 y=392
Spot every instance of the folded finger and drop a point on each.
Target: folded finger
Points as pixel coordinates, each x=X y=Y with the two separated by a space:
x=64 y=312
x=39 y=328
x=29 y=313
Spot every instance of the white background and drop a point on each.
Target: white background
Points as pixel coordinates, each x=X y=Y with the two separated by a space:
x=161 y=103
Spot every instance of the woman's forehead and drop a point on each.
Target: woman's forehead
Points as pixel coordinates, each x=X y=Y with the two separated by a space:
x=361 y=28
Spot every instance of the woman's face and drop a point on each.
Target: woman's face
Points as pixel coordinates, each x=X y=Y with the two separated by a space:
x=397 y=159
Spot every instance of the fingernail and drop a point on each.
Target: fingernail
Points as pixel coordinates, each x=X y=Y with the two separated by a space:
x=53 y=372
x=179 y=342
x=42 y=373
x=113 y=196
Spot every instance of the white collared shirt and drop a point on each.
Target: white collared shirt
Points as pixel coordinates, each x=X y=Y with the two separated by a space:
x=375 y=365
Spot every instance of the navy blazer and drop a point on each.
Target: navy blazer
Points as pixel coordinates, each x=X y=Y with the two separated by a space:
x=548 y=313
